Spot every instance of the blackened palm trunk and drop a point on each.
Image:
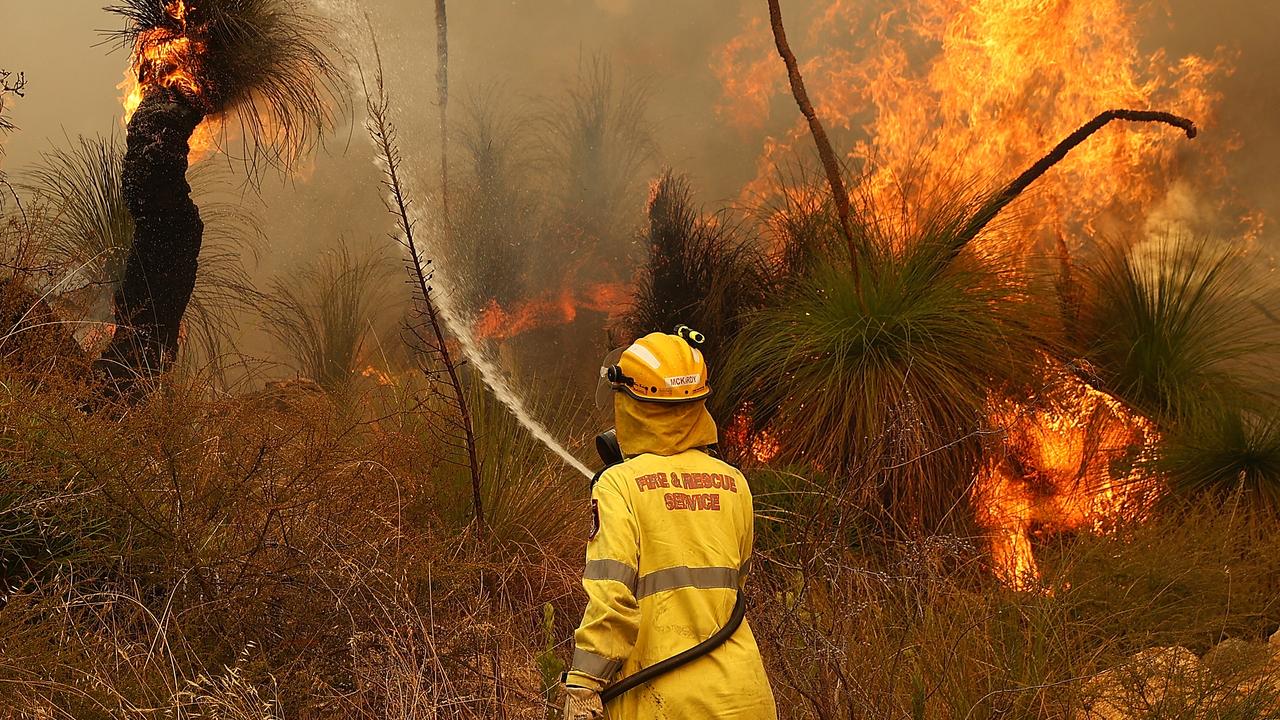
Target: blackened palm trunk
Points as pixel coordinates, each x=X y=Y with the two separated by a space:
x=160 y=273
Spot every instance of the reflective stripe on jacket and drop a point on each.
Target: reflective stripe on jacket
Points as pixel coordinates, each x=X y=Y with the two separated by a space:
x=672 y=548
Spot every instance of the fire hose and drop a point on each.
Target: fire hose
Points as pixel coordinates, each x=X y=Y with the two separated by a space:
x=662 y=668
x=611 y=454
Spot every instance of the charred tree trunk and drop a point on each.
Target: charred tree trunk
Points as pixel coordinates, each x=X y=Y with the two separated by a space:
x=160 y=272
x=825 y=153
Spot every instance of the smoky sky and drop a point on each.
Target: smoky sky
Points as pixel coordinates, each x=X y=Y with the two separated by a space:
x=530 y=49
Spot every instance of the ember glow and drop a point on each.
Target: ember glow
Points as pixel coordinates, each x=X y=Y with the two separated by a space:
x=551 y=309
x=170 y=59
x=1070 y=461
x=760 y=444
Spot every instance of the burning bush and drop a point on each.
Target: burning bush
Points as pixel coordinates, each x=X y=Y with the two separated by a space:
x=888 y=386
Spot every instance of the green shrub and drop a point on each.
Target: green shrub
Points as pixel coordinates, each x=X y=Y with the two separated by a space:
x=883 y=379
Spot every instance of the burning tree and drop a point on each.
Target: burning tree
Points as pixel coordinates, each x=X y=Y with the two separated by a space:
x=878 y=364
x=263 y=63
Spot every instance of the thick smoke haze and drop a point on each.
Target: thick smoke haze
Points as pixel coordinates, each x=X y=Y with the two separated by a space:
x=527 y=52
x=530 y=49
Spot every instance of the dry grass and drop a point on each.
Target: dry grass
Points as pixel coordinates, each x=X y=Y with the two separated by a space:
x=278 y=556
x=920 y=630
x=192 y=554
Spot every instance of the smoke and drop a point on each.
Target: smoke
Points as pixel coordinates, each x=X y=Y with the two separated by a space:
x=534 y=49
x=1245 y=31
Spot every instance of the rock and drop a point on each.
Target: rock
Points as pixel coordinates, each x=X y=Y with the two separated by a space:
x=1176 y=678
x=1166 y=661
x=1232 y=654
x=1117 y=693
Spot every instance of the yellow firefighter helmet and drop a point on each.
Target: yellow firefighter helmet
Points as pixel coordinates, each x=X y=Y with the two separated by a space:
x=660 y=368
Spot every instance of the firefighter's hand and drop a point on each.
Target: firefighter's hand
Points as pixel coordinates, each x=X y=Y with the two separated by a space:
x=582 y=704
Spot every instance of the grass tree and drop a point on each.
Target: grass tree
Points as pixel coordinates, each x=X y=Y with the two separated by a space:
x=325 y=313
x=495 y=215
x=884 y=383
x=1171 y=325
x=703 y=272
x=1225 y=450
x=88 y=235
x=598 y=143
x=1177 y=330
x=261 y=66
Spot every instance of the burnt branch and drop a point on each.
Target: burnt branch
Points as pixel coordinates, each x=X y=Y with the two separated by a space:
x=825 y=153
x=11 y=83
x=1001 y=200
x=430 y=335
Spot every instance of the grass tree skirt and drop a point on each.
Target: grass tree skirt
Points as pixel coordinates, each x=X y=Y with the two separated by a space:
x=160 y=272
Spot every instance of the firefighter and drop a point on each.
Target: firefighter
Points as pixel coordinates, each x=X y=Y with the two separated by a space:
x=669 y=550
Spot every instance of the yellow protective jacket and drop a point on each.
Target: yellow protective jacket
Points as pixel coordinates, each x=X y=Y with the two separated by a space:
x=670 y=548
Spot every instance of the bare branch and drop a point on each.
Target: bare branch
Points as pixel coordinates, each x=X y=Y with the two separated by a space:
x=10 y=84
x=434 y=344
x=1001 y=200
x=825 y=153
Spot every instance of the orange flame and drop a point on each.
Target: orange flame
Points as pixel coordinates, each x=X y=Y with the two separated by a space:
x=379 y=376
x=943 y=93
x=162 y=57
x=553 y=308
x=760 y=444
x=1071 y=462
x=936 y=94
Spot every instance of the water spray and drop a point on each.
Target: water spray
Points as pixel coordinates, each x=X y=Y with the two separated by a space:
x=492 y=375
x=455 y=319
